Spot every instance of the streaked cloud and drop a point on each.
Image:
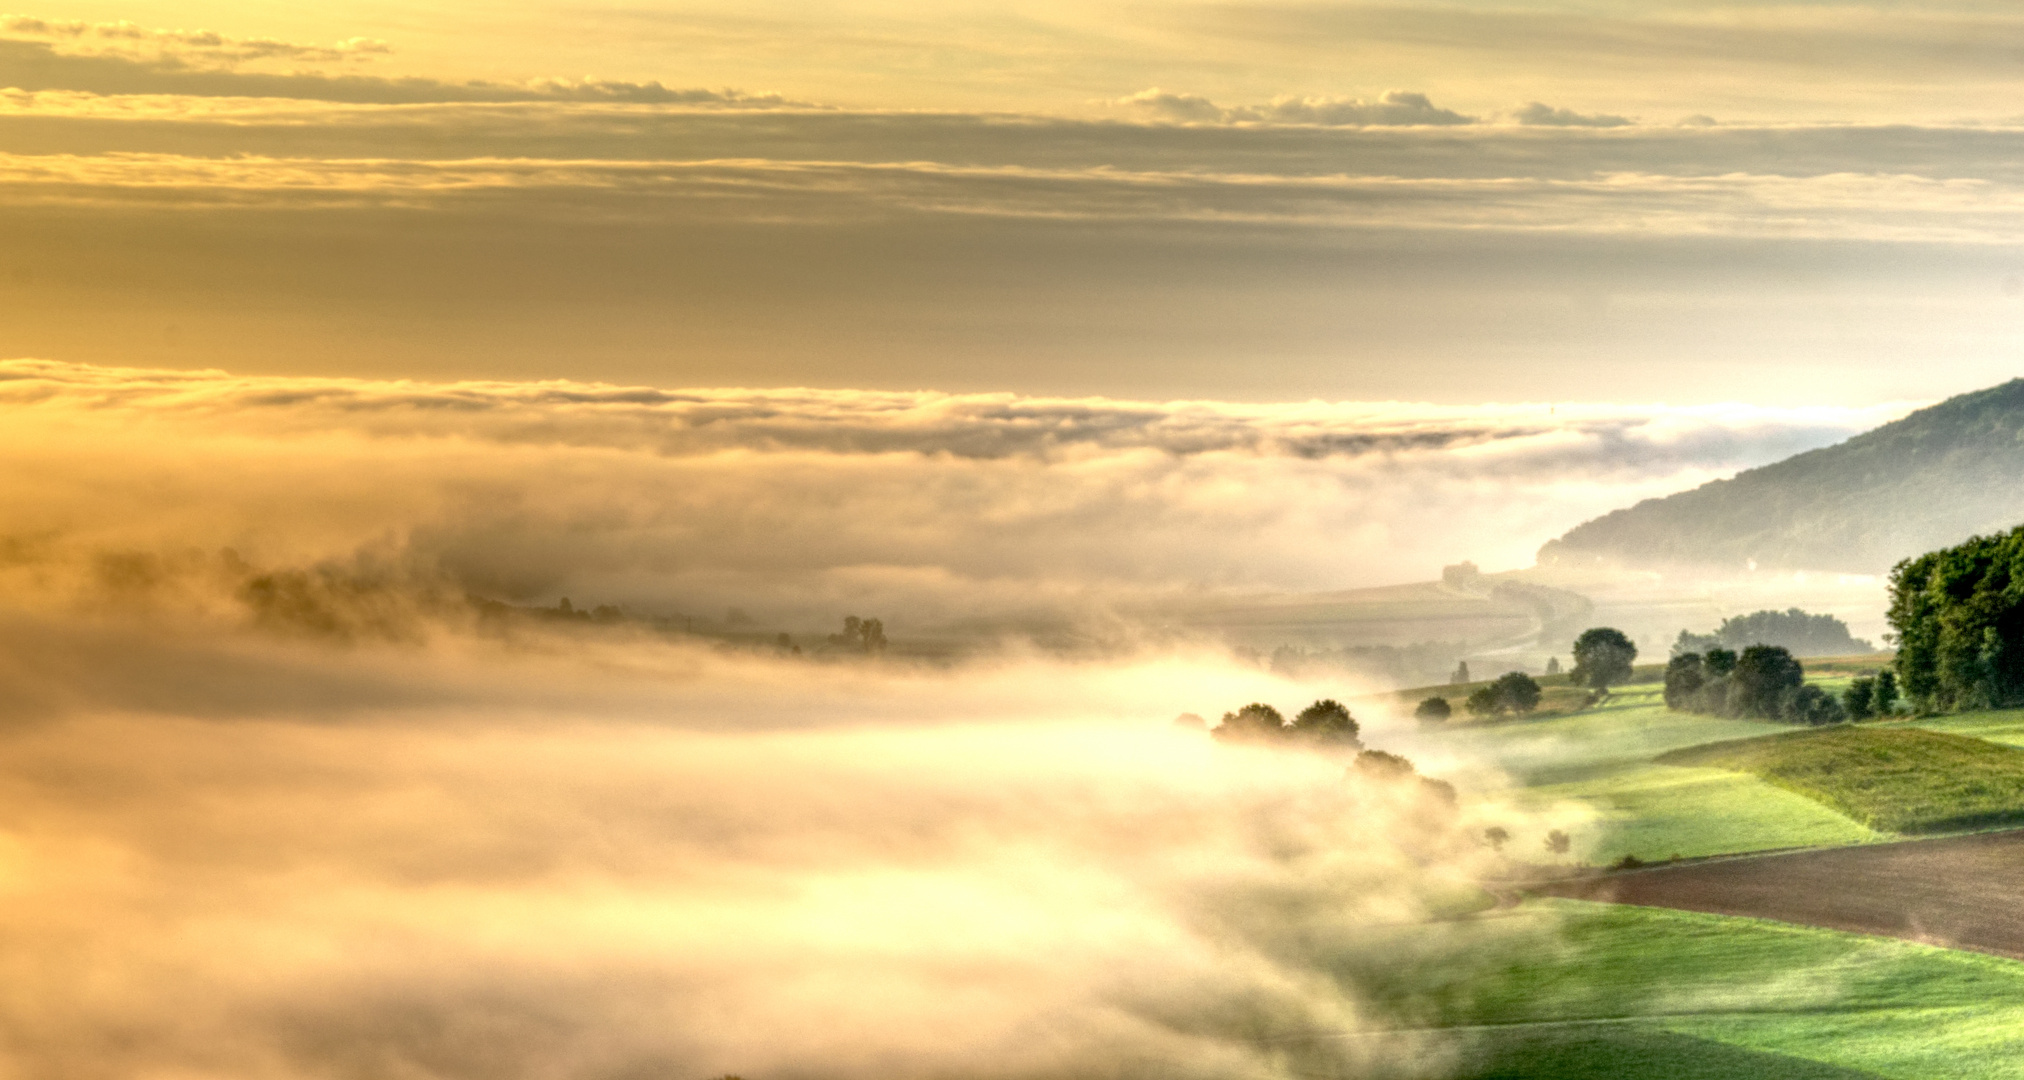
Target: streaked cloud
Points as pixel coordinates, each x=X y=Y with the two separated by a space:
x=1395 y=108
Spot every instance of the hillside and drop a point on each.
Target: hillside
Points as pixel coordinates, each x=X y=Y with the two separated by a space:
x=1932 y=479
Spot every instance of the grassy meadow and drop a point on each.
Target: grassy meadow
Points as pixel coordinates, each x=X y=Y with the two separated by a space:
x=1892 y=779
x=1600 y=761
x=1574 y=990
x=1648 y=992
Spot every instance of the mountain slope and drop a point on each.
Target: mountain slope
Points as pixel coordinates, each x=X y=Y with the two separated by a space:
x=1940 y=475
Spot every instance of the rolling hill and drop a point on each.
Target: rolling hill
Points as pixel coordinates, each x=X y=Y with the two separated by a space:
x=1934 y=478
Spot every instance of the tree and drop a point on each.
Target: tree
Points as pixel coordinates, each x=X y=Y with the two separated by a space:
x=1684 y=678
x=1461 y=674
x=1327 y=723
x=1380 y=765
x=1810 y=705
x=1498 y=836
x=1252 y=723
x=866 y=635
x=1558 y=842
x=1552 y=665
x=1758 y=686
x=1719 y=662
x=1603 y=657
x=1883 y=701
x=1517 y=692
x=1859 y=698
x=1483 y=702
x=1958 y=615
x=1434 y=710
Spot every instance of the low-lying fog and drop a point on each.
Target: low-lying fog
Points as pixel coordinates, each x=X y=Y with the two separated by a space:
x=342 y=827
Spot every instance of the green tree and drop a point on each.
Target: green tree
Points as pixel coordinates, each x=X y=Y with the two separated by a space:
x=1958 y=614
x=1517 y=692
x=1483 y=702
x=1859 y=698
x=1327 y=723
x=1758 y=686
x=1603 y=657
x=1379 y=765
x=1434 y=710
x=1719 y=662
x=1883 y=701
x=1558 y=842
x=1252 y=723
x=1810 y=705
x=1685 y=675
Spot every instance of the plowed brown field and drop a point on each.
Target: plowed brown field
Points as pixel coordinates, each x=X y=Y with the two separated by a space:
x=1963 y=892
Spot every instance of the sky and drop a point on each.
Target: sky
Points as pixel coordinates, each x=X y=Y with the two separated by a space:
x=1687 y=203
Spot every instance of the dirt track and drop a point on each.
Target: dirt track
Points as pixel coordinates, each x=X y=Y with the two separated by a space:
x=1963 y=892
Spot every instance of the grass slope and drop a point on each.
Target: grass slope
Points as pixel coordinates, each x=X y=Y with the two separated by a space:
x=1652 y=992
x=1655 y=812
x=1894 y=779
x=1598 y=763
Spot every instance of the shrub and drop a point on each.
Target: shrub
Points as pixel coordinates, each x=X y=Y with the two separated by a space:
x=1434 y=710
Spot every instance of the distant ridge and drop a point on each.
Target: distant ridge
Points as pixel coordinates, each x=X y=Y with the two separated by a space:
x=1932 y=479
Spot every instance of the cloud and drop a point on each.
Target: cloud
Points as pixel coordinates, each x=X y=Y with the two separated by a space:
x=182 y=68
x=622 y=857
x=931 y=510
x=1172 y=106
x=1543 y=115
x=183 y=47
x=1395 y=108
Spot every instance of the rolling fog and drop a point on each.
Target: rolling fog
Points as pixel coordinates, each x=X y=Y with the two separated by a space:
x=357 y=832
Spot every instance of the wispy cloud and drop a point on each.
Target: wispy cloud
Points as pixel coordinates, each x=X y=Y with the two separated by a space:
x=1395 y=108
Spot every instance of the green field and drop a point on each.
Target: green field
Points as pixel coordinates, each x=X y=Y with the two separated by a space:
x=1600 y=761
x=1637 y=992
x=2004 y=726
x=1890 y=778
x=1569 y=990
x=1655 y=812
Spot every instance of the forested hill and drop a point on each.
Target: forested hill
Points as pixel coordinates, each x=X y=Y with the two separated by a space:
x=1932 y=479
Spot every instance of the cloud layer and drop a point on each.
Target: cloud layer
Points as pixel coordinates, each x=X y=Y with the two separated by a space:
x=799 y=505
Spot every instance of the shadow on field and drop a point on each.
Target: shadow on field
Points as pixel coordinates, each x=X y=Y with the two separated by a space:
x=1618 y=1052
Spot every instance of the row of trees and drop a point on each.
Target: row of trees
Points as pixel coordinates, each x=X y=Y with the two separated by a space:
x=1804 y=634
x=1764 y=682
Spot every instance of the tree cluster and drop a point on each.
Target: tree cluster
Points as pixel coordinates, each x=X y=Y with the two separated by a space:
x=1512 y=692
x=1326 y=724
x=865 y=635
x=1801 y=633
x=1763 y=682
x=1958 y=614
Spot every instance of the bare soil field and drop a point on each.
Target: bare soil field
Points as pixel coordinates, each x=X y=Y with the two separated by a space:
x=1960 y=892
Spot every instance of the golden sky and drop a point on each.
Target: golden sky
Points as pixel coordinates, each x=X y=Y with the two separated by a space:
x=1686 y=202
